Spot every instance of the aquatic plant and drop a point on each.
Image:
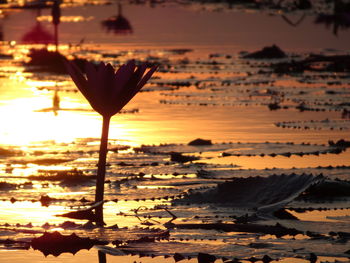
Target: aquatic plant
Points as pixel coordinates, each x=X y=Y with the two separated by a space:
x=55 y=243
x=108 y=91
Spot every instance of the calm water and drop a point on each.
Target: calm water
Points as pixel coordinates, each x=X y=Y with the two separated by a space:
x=207 y=91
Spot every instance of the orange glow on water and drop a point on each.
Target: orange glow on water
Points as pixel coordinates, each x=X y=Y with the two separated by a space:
x=19 y=211
x=284 y=162
x=49 y=135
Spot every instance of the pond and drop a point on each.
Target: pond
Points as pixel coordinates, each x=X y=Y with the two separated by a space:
x=236 y=148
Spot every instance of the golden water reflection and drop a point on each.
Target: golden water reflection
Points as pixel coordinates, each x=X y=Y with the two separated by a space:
x=42 y=112
x=19 y=211
x=33 y=256
x=284 y=162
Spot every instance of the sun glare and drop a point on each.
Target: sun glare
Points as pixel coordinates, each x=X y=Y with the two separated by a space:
x=39 y=215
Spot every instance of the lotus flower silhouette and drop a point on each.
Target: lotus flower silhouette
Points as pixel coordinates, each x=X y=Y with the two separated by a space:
x=108 y=91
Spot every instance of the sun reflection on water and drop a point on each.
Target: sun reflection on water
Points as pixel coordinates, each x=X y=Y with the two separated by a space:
x=31 y=119
x=30 y=212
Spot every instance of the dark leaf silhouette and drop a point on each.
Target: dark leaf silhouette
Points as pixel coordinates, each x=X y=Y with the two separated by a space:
x=56 y=244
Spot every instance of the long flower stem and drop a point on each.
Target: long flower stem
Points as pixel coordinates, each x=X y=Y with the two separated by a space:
x=101 y=257
x=101 y=170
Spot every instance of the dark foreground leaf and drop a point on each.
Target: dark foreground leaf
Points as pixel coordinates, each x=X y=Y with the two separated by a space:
x=56 y=244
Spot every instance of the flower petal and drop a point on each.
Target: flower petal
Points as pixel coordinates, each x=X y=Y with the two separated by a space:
x=139 y=73
x=130 y=68
x=119 y=80
x=131 y=88
x=93 y=86
x=109 y=79
x=78 y=78
x=146 y=77
x=101 y=72
x=91 y=72
x=122 y=76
